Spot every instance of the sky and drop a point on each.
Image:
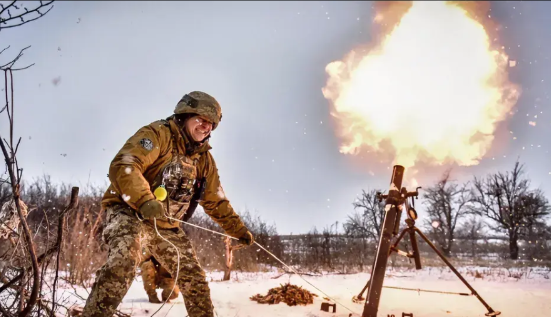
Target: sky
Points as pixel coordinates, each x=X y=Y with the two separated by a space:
x=104 y=69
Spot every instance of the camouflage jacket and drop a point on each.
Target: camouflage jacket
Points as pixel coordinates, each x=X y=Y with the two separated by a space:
x=156 y=155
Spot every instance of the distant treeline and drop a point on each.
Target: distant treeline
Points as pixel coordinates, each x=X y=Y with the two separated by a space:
x=494 y=218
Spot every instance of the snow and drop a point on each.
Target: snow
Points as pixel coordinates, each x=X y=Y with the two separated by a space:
x=525 y=296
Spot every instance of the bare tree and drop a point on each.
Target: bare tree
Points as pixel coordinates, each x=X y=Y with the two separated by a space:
x=9 y=150
x=328 y=244
x=368 y=222
x=471 y=230
x=13 y=15
x=447 y=202
x=507 y=200
x=535 y=237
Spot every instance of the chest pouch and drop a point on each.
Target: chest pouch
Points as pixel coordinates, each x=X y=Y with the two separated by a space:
x=178 y=178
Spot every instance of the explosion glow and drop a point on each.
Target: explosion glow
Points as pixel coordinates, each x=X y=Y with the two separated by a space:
x=433 y=90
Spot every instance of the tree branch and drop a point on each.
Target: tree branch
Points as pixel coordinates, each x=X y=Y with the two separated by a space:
x=61 y=222
x=21 y=16
x=9 y=65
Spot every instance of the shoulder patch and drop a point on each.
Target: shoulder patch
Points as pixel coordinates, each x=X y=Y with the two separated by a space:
x=147 y=144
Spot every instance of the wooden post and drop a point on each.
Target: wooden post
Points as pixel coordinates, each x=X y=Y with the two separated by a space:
x=229 y=259
x=229 y=256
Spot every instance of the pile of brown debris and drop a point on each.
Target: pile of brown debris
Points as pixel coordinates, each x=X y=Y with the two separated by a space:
x=290 y=294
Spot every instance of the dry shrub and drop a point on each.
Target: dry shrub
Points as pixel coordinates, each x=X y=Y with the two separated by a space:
x=82 y=250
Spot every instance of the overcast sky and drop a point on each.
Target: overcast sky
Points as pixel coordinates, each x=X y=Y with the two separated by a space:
x=121 y=65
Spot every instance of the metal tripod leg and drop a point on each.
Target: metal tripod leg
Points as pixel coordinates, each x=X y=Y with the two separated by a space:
x=491 y=312
x=371 y=305
x=392 y=248
x=411 y=229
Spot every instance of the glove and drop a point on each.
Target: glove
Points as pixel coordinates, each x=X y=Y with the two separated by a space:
x=247 y=238
x=152 y=209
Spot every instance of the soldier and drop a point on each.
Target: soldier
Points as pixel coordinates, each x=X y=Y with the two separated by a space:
x=168 y=156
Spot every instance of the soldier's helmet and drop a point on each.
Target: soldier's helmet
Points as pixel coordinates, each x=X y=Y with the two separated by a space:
x=203 y=104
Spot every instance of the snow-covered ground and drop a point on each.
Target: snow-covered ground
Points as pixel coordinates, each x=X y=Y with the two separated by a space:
x=528 y=295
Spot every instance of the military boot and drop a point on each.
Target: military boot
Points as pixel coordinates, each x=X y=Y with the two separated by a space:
x=149 y=275
x=167 y=284
x=153 y=298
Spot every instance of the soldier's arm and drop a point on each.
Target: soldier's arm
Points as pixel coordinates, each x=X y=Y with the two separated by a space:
x=127 y=168
x=216 y=204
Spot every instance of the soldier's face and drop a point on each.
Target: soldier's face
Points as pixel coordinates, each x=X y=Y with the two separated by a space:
x=198 y=127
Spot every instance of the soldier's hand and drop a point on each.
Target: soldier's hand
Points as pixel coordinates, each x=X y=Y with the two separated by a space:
x=247 y=238
x=152 y=209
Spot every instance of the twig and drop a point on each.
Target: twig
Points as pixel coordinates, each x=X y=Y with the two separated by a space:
x=46 y=264
x=2 y=51
x=61 y=222
x=22 y=68
x=8 y=65
x=7 y=8
x=11 y=283
x=22 y=15
x=121 y=314
x=21 y=294
x=5 y=312
x=41 y=258
x=44 y=304
x=74 y=289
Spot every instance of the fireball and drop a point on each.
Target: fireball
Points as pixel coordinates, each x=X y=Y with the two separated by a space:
x=432 y=90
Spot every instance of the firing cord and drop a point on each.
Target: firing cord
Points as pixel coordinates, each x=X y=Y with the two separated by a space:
x=177 y=268
x=275 y=257
x=270 y=253
x=427 y=291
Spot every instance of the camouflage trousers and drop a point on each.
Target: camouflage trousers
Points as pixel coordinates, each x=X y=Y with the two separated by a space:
x=125 y=236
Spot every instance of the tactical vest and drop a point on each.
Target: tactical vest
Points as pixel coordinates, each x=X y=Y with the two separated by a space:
x=184 y=188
